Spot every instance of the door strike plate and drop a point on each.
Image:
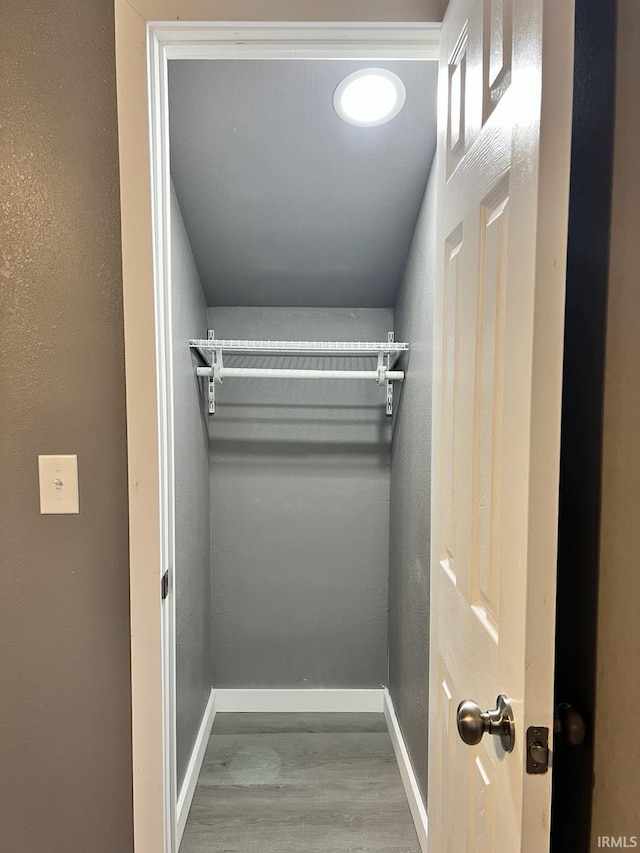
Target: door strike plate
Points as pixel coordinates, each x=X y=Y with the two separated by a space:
x=537 y=749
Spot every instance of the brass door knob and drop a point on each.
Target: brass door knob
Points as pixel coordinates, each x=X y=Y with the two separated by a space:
x=474 y=723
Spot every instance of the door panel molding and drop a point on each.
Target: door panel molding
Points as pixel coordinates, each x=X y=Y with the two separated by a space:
x=492 y=614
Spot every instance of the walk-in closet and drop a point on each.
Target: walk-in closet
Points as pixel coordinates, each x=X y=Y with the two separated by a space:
x=302 y=253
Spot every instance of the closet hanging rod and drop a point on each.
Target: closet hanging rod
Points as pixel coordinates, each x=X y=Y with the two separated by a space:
x=294 y=373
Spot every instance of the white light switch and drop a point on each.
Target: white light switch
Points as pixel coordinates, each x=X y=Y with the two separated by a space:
x=58 y=484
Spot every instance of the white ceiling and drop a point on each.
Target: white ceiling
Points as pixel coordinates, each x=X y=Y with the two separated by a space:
x=284 y=203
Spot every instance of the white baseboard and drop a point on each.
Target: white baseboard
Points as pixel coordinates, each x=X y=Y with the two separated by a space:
x=303 y=701
x=416 y=805
x=195 y=763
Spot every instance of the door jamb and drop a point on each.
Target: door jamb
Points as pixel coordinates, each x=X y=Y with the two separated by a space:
x=148 y=34
x=582 y=415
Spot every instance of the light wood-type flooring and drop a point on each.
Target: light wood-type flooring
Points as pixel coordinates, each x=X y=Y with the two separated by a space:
x=299 y=783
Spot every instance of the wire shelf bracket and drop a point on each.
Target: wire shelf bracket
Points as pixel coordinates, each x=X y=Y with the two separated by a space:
x=210 y=353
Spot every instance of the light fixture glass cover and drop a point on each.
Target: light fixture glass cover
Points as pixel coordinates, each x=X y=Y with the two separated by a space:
x=369 y=97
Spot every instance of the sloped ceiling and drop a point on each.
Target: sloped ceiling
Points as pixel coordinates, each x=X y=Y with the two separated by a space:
x=284 y=203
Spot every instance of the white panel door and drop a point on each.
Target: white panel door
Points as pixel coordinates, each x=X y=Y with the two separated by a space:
x=503 y=163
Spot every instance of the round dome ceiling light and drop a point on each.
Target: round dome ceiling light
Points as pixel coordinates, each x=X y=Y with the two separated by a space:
x=369 y=97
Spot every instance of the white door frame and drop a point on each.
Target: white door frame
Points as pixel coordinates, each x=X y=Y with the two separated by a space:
x=148 y=34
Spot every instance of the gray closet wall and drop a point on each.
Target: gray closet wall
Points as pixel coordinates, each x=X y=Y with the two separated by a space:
x=300 y=512
x=409 y=550
x=192 y=500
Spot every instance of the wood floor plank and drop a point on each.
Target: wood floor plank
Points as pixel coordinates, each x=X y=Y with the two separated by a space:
x=299 y=786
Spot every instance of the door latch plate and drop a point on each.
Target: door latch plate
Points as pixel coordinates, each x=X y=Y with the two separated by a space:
x=537 y=749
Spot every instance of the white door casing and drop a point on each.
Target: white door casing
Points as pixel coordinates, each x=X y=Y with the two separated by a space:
x=148 y=34
x=504 y=114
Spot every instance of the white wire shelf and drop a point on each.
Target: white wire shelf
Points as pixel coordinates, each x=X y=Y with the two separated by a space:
x=301 y=347
x=211 y=352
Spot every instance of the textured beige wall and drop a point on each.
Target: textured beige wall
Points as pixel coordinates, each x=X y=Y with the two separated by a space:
x=65 y=728
x=298 y=10
x=617 y=735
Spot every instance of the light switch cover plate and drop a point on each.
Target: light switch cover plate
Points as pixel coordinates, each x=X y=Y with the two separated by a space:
x=58 y=485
